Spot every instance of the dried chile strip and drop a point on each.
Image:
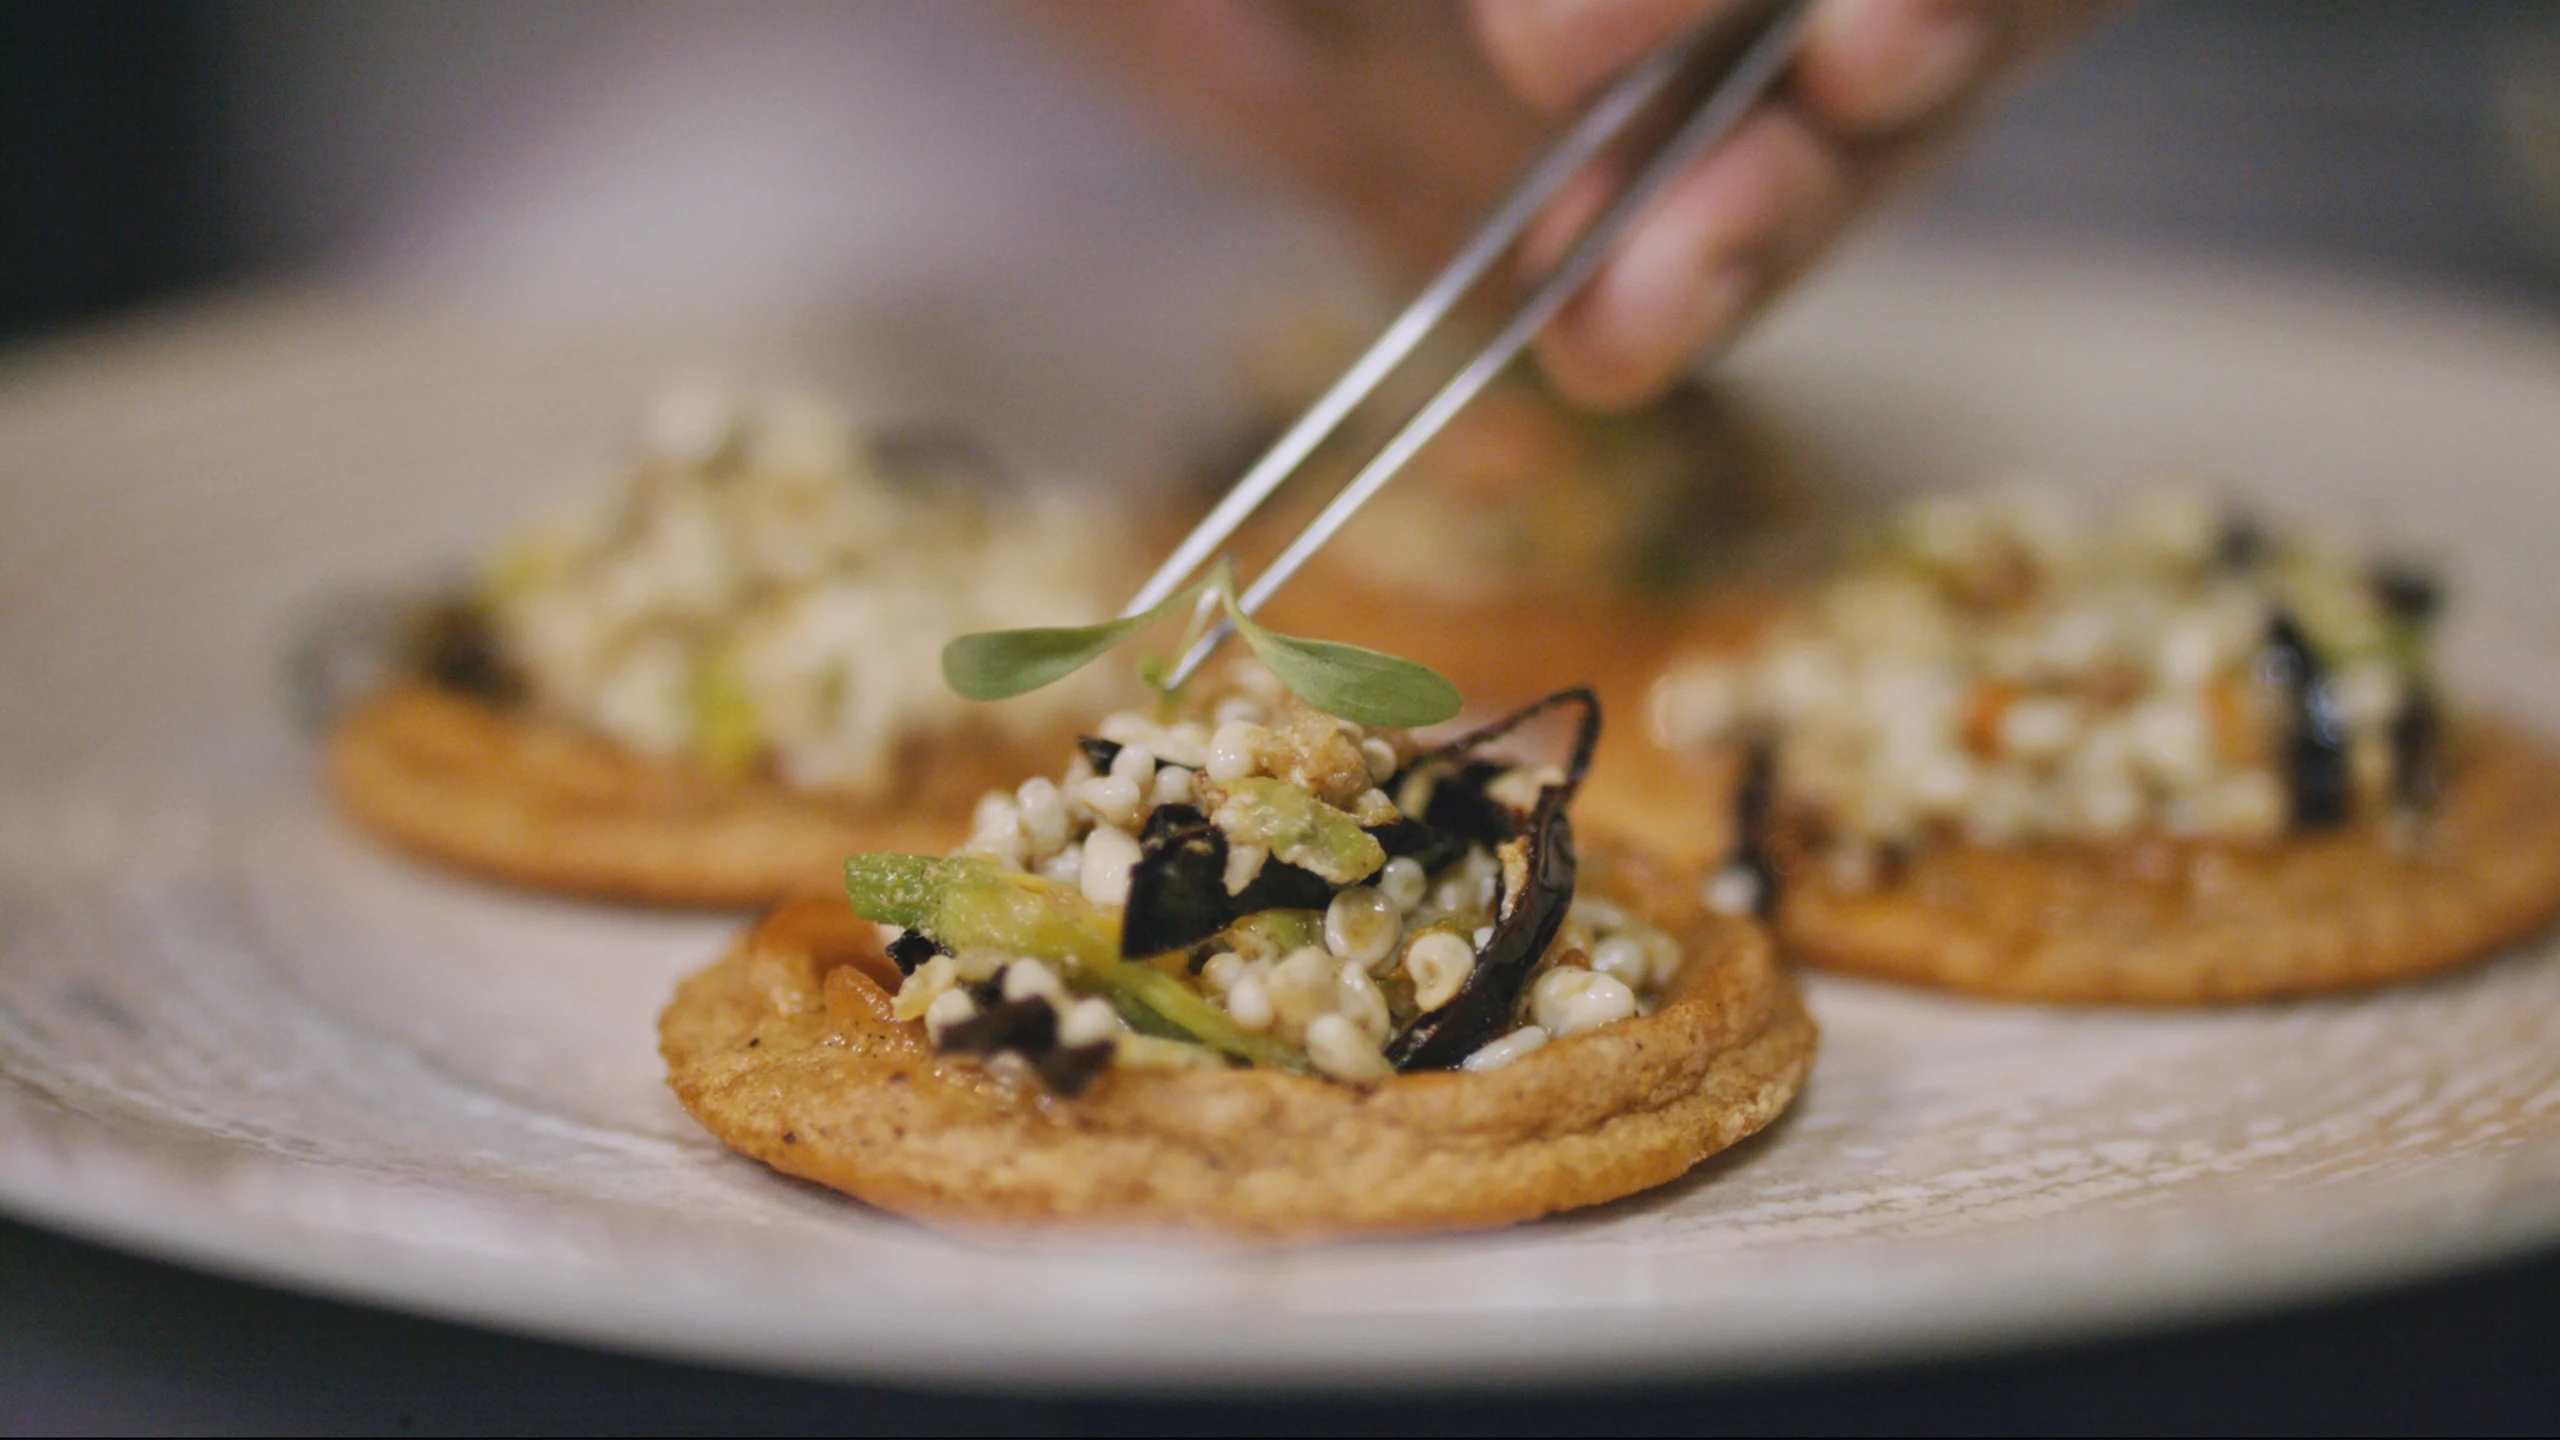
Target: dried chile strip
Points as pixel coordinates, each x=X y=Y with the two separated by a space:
x=454 y=647
x=1755 y=805
x=2316 y=771
x=1586 y=736
x=1028 y=1025
x=1178 y=889
x=1482 y=1008
x=1029 y=1028
x=2417 y=735
x=912 y=949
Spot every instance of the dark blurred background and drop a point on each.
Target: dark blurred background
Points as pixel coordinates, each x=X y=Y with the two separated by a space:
x=152 y=148
x=157 y=152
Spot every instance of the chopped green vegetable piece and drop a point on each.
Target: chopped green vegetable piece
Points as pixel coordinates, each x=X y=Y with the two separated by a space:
x=972 y=902
x=1298 y=828
x=724 y=719
x=1281 y=930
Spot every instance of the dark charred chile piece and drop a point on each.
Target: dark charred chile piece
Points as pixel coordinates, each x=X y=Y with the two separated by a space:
x=1178 y=892
x=1281 y=886
x=1755 y=804
x=2417 y=735
x=1099 y=753
x=1481 y=1010
x=1068 y=1069
x=2243 y=545
x=1029 y=1028
x=1460 y=809
x=913 y=949
x=1413 y=840
x=1167 y=820
x=2316 y=770
x=2409 y=593
x=452 y=645
x=1586 y=735
x=1029 y=1025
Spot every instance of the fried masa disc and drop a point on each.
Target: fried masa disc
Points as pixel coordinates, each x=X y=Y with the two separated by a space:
x=2172 y=924
x=541 y=804
x=785 y=1049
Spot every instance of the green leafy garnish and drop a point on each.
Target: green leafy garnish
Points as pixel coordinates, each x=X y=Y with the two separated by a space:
x=1359 y=685
x=1362 y=686
x=1000 y=664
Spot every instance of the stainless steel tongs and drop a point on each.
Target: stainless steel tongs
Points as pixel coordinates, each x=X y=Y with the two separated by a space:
x=1733 y=65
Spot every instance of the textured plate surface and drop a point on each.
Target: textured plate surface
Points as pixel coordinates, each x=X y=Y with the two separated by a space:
x=235 y=1033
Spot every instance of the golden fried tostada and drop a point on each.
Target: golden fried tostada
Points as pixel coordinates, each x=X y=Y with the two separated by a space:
x=1257 y=998
x=710 y=681
x=2168 y=758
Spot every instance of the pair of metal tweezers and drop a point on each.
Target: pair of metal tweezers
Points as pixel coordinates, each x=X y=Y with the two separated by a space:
x=1726 y=68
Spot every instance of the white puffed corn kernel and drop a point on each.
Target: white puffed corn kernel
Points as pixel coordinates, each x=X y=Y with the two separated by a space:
x=1125 y=728
x=1438 y=964
x=1249 y=1004
x=1235 y=750
x=1044 y=816
x=1340 y=1050
x=1358 y=998
x=1244 y=862
x=1362 y=925
x=1695 y=704
x=996 y=811
x=1497 y=1053
x=1186 y=744
x=1026 y=979
x=1066 y=867
x=1136 y=764
x=1301 y=988
x=1089 y=1021
x=948 y=1009
x=1401 y=881
x=1223 y=970
x=1109 y=856
x=930 y=982
x=1380 y=758
x=1113 y=798
x=1570 y=1000
x=2039 y=728
x=1734 y=891
x=691 y=422
x=1621 y=957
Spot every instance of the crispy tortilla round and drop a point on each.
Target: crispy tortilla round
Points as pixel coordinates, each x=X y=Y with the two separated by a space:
x=544 y=805
x=2169 y=924
x=786 y=1050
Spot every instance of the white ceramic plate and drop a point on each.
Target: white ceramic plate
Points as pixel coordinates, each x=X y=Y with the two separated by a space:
x=234 y=1033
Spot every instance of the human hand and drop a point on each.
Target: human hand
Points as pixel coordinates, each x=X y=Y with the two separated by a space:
x=1878 y=85
x=1413 y=119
